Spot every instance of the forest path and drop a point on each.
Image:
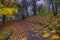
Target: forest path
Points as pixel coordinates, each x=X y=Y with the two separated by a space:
x=29 y=29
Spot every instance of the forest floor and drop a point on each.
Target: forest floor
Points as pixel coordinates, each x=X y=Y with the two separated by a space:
x=33 y=28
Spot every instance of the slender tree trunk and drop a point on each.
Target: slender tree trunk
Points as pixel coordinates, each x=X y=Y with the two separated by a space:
x=26 y=11
x=22 y=14
x=34 y=6
x=49 y=6
x=3 y=19
x=55 y=8
x=2 y=1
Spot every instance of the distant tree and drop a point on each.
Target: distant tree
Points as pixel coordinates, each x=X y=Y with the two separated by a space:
x=26 y=11
x=56 y=8
x=26 y=8
x=25 y=5
x=22 y=14
x=3 y=19
x=49 y=2
x=58 y=3
x=34 y=6
x=52 y=2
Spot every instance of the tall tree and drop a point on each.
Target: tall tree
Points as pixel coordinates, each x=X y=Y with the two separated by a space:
x=22 y=14
x=49 y=4
x=58 y=3
x=3 y=19
x=34 y=6
x=55 y=8
x=4 y=2
x=25 y=5
x=52 y=6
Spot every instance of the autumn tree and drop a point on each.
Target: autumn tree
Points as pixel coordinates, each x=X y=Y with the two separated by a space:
x=7 y=10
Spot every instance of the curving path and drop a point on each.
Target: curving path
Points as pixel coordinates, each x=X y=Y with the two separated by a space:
x=29 y=29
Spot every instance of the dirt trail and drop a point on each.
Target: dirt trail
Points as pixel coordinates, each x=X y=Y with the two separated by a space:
x=29 y=29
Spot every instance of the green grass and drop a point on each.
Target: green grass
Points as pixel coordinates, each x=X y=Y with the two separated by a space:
x=46 y=13
x=6 y=33
x=58 y=11
x=3 y=35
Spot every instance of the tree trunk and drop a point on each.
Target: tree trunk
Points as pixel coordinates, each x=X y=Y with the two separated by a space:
x=49 y=6
x=34 y=6
x=2 y=1
x=3 y=19
x=26 y=11
x=55 y=8
x=22 y=14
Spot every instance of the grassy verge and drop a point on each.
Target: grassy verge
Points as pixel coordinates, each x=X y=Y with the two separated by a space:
x=46 y=13
x=6 y=31
x=3 y=35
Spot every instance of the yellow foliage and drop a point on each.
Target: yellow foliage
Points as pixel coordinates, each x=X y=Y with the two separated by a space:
x=46 y=34
x=24 y=38
x=51 y=25
x=55 y=37
x=54 y=31
x=8 y=11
